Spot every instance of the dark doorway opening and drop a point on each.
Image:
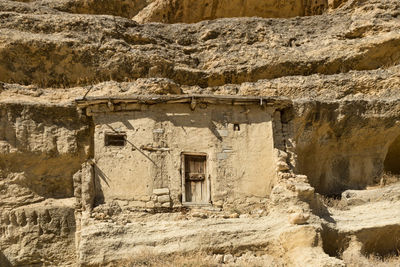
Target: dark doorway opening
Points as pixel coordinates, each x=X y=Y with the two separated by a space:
x=392 y=160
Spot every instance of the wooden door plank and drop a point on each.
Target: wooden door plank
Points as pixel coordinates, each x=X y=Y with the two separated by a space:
x=203 y=192
x=194 y=192
x=194 y=179
x=198 y=191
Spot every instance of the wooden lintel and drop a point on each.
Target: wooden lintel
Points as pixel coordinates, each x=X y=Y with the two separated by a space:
x=193 y=100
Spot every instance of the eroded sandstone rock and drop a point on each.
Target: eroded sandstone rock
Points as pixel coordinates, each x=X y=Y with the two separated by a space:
x=189 y=11
x=340 y=70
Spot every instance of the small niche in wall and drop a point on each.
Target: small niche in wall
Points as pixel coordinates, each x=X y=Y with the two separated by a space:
x=236 y=127
x=115 y=139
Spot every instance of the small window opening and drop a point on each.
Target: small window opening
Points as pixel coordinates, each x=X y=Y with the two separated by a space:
x=115 y=139
x=236 y=127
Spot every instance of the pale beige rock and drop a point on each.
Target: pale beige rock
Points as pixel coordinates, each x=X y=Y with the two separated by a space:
x=234 y=215
x=299 y=218
x=219 y=258
x=336 y=148
x=189 y=11
x=282 y=166
x=105 y=7
x=228 y=258
x=251 y=50
x=178 y=236
x=340 y=70
x=150 y=204
x=163 y=199
x=48 y=228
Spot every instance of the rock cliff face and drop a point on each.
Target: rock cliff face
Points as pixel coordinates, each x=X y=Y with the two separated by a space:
x=81 y=49
x=41 y=147
x=125 y=8
x=349 y=140
x=336 y=62
x=189 y=11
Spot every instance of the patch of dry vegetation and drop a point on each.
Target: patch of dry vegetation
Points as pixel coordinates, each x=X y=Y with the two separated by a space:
x=372 y=261
x=335 y=201
x=200 y=259
x=332 y=201
x=389 y=178
x=147 y=258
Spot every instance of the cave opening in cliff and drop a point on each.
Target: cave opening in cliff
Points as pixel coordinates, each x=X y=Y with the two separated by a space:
x=392 y=160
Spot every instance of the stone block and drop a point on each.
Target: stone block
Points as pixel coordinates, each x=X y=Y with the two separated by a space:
x=163 y=199
x=233 y=215
x=228 y=258
x=282 y=166
x=161 y=191
x=150 y=204
x=305 y=191
x=299 y=218
x=219 y=258
x=166 y=205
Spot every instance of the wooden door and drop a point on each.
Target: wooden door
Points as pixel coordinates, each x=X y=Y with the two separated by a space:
x=195 y=179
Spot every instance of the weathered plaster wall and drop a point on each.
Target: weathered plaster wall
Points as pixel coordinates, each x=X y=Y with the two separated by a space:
x=240 y=163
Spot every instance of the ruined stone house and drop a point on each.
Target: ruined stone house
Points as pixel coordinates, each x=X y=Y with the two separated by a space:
x=169 y=151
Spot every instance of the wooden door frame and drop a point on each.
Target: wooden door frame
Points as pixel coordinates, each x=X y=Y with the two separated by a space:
x=183 y=180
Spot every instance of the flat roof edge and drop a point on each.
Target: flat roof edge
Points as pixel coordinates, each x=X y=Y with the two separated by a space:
x=173 y=99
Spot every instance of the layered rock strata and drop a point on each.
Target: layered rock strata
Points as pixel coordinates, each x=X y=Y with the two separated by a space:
x=337 y=62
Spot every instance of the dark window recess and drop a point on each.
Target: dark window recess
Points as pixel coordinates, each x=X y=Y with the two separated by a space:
x=115 y=139
x=236 y=127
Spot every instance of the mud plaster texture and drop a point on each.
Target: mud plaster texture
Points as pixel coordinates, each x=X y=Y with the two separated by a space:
x=177 y=129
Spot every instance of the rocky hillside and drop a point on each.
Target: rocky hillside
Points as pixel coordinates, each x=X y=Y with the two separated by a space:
x=337 y=54
x=337 y=62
